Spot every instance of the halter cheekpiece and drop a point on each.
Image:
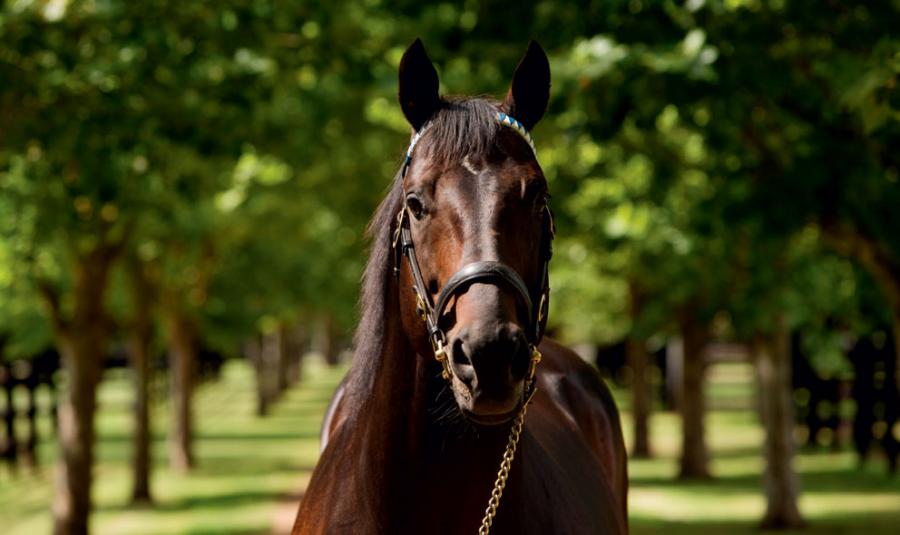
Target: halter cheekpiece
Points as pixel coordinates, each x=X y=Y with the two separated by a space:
x=534 y=300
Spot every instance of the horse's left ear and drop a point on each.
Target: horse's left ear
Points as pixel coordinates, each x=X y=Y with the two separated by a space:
x=530 y=90
x=418 y=93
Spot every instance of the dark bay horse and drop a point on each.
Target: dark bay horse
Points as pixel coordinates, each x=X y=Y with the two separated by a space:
x=454 y=304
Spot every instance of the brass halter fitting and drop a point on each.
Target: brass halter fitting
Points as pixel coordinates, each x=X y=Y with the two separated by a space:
x=531 y=378
x=536 y=357
x=440 y=355
x=420 y=306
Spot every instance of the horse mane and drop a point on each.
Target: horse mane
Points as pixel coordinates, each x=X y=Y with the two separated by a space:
x=461 y=127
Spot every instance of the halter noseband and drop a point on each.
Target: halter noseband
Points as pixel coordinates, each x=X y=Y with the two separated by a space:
x=482 y=271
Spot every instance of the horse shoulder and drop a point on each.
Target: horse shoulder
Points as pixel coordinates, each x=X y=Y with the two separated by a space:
x=580 y=393
x=331 y=503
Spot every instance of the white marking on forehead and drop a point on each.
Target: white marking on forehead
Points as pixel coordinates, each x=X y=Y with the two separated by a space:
x=469 y=167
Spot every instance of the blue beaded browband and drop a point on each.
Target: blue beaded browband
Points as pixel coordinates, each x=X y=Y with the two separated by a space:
x=502 y=118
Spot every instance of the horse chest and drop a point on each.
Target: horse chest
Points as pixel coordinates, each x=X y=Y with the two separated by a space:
x=541 y=496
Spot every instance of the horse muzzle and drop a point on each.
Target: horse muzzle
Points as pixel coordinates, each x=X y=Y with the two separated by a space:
x=489 y=363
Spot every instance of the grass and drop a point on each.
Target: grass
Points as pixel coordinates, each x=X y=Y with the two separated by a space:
x=837 y=496
x=252 y=470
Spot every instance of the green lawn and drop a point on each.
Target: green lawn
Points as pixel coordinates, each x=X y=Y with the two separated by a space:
x=837 y=497
x=251 y=470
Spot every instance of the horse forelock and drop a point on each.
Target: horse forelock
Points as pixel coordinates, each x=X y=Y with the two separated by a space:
x=463 y=129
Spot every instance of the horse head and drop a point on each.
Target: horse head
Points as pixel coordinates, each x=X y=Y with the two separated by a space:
x=475 y=228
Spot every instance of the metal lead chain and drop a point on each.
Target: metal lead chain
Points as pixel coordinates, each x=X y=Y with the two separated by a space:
x=503 y=474
x=510 y=453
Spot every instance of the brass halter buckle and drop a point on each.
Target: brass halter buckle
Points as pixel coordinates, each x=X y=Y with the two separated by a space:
x=440 y=355
x=420 y=306
x=395 y=239
x=531 y=380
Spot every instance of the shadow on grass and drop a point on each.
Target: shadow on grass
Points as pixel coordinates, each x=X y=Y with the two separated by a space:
x=819 y=470
x=261 y=437
x=225 y=466
x=196 y=503
x=222 y=531
x=870 y=523
x=288 y=436
x=849 y=481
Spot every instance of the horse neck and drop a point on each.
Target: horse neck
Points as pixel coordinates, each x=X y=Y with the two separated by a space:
x=387 y=424
x=407 y=459
x=412 y=462
x=394 y=413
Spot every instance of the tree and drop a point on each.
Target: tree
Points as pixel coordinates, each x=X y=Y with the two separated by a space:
x=105 y=120
x=791 y=107
x=142 y=278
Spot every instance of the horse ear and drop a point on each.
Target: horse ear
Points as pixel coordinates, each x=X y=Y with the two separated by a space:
x=530 y=90
x=418 y=92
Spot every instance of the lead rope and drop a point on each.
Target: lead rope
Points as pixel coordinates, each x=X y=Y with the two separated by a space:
x=510 y=453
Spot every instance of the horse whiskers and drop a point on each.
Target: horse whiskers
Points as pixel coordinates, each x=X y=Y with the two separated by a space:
x=447 y=420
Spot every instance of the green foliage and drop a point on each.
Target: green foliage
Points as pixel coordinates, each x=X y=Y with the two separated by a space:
x=701 y=155
x=703 y=142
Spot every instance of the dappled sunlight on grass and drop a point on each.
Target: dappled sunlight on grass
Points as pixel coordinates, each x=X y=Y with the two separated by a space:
x=247 y=466
x=250 y=470
x=691 y=503
x=838 y=497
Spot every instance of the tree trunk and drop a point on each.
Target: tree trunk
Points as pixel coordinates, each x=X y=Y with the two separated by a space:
x=9 y=446
x=31 y=440
x=297 y=345
x=674 y=373
x=284 y=359
x=331 y=349
x=694 y=454
x=182 y=364
x=896 y=326
x=140 y=340
x=642 y=396
x=773 y=369
x=81 y=354
x=255 y=351
x=267 y=369
x=81 y=340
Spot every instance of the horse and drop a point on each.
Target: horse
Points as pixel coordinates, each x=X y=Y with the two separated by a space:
x=449 y=350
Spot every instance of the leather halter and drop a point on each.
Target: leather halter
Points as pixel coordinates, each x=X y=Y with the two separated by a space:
x=481 y=271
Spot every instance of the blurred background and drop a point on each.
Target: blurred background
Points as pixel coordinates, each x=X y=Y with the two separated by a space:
x=184 y=188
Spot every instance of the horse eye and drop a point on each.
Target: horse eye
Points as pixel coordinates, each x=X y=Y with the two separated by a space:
x=415 y=207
